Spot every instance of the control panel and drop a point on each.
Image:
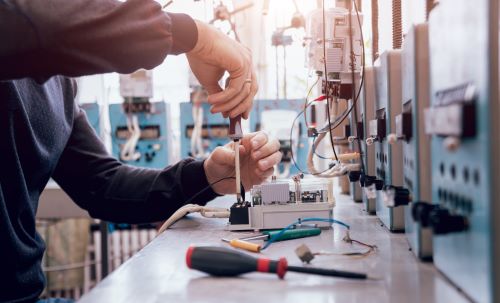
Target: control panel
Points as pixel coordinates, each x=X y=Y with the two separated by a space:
x=144 y=129
x=388 y=158
x=463 y=123
x=410 y=132
x=210 y=130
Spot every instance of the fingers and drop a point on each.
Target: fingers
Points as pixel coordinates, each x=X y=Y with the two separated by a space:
x=269 y=162
x=223 y=155
x=239 y=66
x=264 y=174
x=271 y=147
x=245 y=106
x=233 y=103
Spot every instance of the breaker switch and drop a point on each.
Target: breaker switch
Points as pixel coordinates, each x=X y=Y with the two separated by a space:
x=379 y=184
x=354 y=176
x=395 y=196
x=443 y=222
x=421 y=211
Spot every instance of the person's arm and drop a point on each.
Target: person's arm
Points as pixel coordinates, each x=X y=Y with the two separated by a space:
x=82 y=37
x=115 y=192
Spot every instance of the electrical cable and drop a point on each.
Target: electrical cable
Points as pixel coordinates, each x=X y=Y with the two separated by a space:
x=208 y=212
x=299 y=221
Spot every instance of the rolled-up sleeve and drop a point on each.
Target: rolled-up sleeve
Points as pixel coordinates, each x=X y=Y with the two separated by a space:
x=83 y=37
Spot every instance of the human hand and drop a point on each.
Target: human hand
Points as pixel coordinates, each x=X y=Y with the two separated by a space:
x=258 y=155
x=215 y=53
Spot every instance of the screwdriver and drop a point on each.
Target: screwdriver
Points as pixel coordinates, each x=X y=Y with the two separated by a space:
x=266 y=235
x=239 y=243
x=224 y=262
x=236 y=134
x=286 y=235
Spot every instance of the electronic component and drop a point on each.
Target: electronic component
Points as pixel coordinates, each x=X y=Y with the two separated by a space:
x=276 y=204
x=336 y=46
x=465 y=191
x=388 y=158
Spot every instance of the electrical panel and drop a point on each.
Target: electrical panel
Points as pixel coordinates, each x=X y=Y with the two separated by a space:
x=367 y=111
x=463 y=122
x=410 y=132
x=352 y=132
x=214 y=130
x=276 y=118
x=153 y=142
x=388 y=158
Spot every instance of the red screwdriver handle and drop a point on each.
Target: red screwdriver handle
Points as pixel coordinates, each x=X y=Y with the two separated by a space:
x=224 y=262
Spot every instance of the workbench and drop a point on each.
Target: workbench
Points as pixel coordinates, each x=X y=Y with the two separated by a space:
x=158 y=273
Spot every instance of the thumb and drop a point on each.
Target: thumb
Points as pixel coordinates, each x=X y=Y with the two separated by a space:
x=223 y=155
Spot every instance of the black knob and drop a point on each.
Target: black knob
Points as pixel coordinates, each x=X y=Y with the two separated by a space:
x=401 y=195
x=420 y=212
x=379 y=184
x=354 y=176
x=366 y=180
x=443 y=222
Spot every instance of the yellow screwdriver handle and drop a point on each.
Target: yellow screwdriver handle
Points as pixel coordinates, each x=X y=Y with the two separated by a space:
x=245 y=245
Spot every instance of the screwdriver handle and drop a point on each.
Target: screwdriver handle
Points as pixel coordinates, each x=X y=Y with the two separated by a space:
x=236 y=243
x=224 y=262
x=235 y=131
x=293 y=233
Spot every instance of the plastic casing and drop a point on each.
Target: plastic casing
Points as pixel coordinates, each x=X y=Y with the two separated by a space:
x=388 y=158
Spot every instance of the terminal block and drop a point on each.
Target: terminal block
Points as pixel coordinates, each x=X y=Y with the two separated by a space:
x=276 y=204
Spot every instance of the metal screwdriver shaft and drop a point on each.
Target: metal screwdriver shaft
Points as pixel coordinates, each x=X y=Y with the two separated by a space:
x=236 y=134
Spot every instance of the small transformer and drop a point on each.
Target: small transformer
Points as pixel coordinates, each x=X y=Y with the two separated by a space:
x=277 y=204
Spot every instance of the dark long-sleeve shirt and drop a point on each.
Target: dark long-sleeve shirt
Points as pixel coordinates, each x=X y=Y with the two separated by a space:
x=44 y=134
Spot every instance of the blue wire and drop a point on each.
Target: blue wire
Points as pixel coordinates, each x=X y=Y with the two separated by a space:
x=278 y=235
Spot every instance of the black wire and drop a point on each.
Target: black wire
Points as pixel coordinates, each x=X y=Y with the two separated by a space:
x=326 y=81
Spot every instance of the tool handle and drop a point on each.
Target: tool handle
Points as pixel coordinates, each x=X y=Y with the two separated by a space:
x=245 y=245
x=235 y=131
x=224 y=262
x=293 y=233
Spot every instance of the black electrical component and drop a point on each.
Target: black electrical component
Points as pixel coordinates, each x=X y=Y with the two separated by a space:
x=443 y=222
x=354 y=176
x=440 y=219
x=238 y=213
x=379 y=184
x=401 y=195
